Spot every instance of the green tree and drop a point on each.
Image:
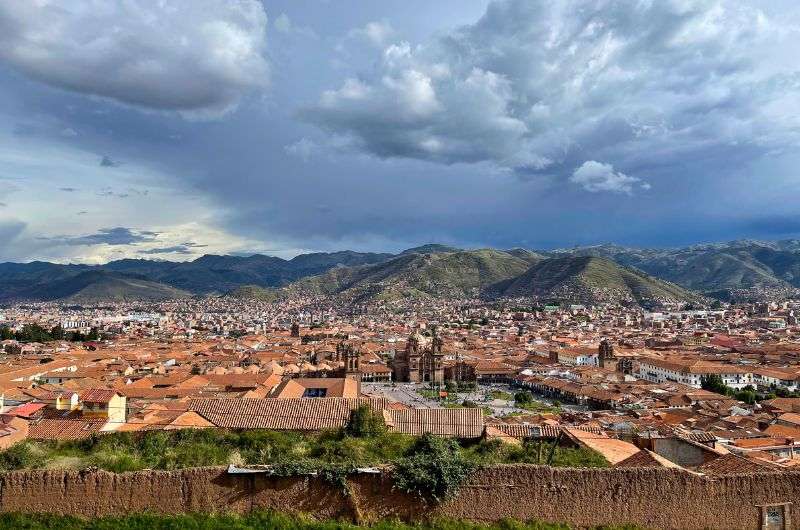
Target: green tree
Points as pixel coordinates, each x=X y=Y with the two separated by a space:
x=714 y=383
x=523 y=397
x=57 y=332
x=6 y=333
x=365 y=423
x=433 y=468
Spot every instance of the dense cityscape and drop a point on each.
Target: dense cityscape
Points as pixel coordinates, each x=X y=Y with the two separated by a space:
x=712 y=391
x=399 y=265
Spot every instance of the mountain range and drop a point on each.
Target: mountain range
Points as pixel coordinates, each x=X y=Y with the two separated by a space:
x=583 y=274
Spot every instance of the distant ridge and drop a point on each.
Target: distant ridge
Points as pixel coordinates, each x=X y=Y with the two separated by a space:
x=744 y=269
x=588 y=279
x=101 y=286
x=458 y=274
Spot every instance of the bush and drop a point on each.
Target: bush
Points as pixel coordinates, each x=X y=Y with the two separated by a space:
x=366 y=423
x=20 y=456
x=432 y=469
x=523 y=397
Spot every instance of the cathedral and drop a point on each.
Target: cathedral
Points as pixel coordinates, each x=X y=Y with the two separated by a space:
x=420 y=361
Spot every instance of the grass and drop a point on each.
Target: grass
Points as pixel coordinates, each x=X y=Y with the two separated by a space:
x=120 y=452
x=253 y=521
x=537 y=406
x=499 y=394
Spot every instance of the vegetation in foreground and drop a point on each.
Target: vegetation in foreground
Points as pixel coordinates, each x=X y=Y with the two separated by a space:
x=120 y=452
x=253 y=521
x=428 y=466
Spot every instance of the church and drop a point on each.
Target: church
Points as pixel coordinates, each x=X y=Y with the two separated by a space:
x=420 y=361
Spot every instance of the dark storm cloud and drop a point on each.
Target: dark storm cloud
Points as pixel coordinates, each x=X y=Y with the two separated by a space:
x=538 y=124
x=107 y=236
x=545 y=87
x=201 y=55
x=185 y=248
x=774 y=226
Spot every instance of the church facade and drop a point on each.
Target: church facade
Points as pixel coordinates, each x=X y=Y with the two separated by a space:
x=421 y=361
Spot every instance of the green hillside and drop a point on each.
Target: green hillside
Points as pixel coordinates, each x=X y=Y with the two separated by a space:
x=102 y=286
x=446 y=274
x=254 y=292
x=589 y=279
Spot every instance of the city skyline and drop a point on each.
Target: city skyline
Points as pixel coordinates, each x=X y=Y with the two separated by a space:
x=269 y=127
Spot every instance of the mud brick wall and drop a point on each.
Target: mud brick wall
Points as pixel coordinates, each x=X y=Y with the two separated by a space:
x=653 y=498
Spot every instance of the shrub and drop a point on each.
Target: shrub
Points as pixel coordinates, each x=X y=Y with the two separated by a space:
x=20 y=456
x=365 y=422
x=433 y=468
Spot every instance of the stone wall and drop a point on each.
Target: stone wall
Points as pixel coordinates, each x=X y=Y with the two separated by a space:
x=653 y=498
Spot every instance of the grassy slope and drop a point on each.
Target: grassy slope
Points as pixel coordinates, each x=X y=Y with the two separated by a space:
x=255 y=292
x=591 y=279
x=463 y=273
x=126 y=289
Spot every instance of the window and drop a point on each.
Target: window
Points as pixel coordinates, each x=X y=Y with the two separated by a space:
x=774 y=517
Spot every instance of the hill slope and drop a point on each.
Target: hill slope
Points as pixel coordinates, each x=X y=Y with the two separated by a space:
x=442 y=274
x=722 y=268
x=588 y=279
x=100 y=286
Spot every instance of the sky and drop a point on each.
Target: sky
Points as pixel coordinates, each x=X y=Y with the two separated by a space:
x=169 y=129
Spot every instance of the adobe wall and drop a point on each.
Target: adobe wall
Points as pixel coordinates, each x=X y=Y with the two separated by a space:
x=653 y=498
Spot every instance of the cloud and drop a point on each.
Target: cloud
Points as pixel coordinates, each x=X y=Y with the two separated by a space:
x=539 y=87
x=68 y=189
x=185 y=248
x=303 y=148
x=283 y=23
x=199 y=57
x=108 y=162
x=107 y=236
x=9 y=230
x=595 y=177
x=376 y=32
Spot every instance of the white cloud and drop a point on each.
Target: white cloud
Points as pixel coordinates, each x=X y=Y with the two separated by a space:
x=540 y=87
x=376 y=32
x=596 y=177
x=198 y=57
x=303 y=148
x=283 y=23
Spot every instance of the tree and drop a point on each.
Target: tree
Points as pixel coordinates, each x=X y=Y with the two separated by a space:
x=6 y=333
x=523 y=397
x=365 y=423
x=57 y=332
x=93 y=334
x=433 y=468
x=714 y=383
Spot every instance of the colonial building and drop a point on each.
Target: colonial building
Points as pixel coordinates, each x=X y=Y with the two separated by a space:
x=420 y=361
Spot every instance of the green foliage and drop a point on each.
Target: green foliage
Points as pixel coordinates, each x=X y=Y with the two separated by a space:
x=523 y=397
x=256 y=520
x=714 y=383
x=433 y=468
x=499 y=394
x=20 y=456
x=487 y=452
x=365 y=422
x=36 y=333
